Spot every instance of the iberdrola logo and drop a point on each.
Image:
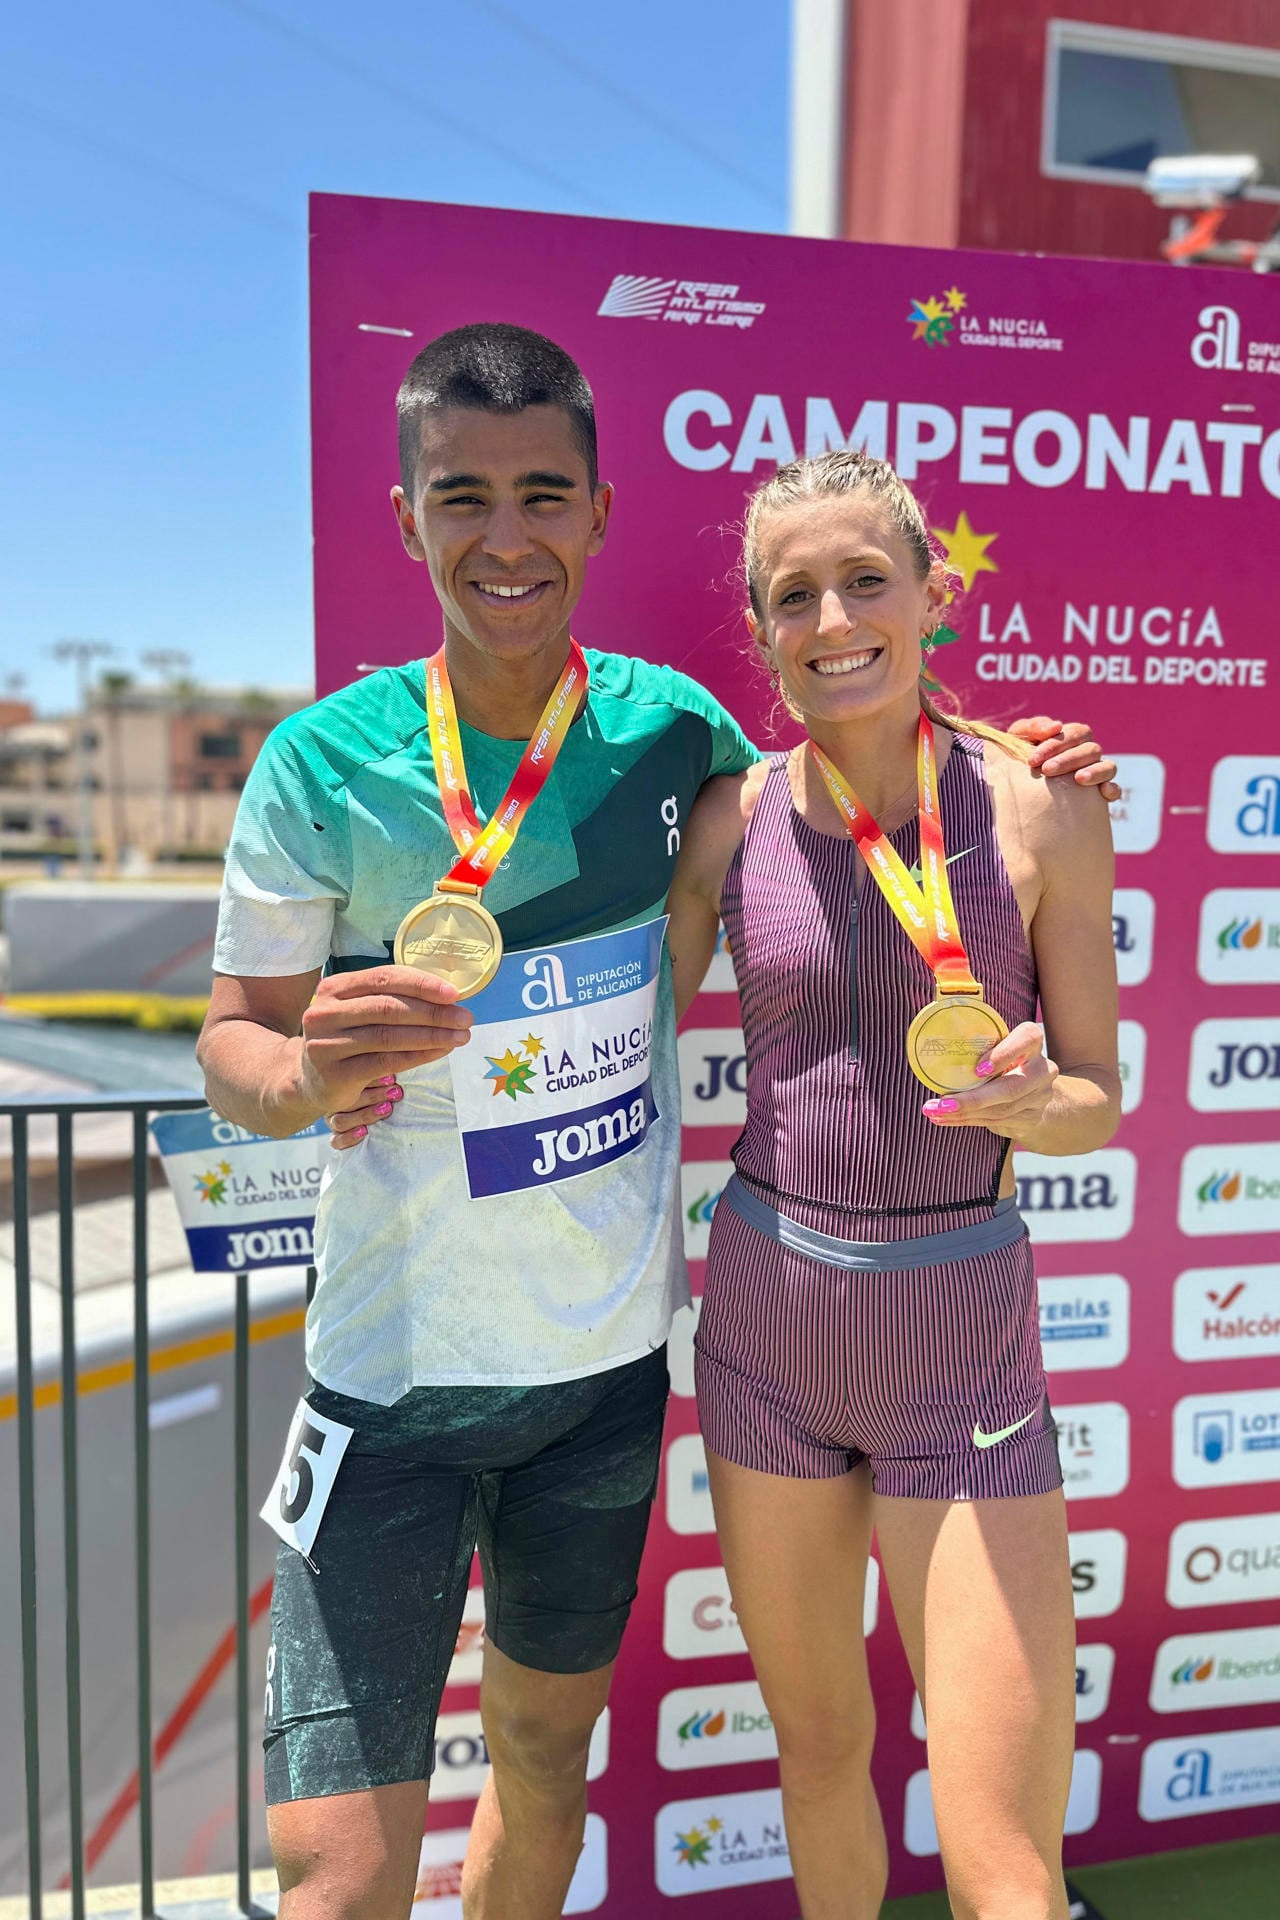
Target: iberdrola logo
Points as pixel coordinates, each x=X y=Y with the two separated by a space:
x=1219 y=1186
x=212 y=1186
x=1241 y=936
x=698 y=1212
x=932 y=320
x=693 y=1849
x=1189 y=1671
x=702 y=1726
x=512 y=1071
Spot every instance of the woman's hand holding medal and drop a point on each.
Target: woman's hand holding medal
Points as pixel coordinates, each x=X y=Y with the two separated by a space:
x=1016 y=1083
x=363 y=1028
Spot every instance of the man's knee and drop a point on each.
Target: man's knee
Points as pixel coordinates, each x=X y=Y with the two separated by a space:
x=544 y=1756
x=342 y=1858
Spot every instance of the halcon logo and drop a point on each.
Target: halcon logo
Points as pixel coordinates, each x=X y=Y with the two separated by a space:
x=1227 y=1313
x=1218 y=344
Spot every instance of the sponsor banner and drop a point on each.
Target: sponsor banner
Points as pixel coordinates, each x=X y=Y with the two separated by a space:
x=713 y=1077
x=1239 y=943
x=920 y=1832
x=701 y=1184
x=1093 y=1446
x=1098 y=1560
x=438 y=1895
x=1084 y=1322
x=1133 y=928
x=1230 y=1189
x=556 y=1078
x=1227 y=1313
x=1088 y=1196
x=1225 y=1562
x=1227 y=1439
x=714 y=1727
x=1135 y=816
x=1216 y=1773
x=245 y=1200
x=720 y=975
x=467 y=1665
x=1222 y=1668
x=680 y=1348
x=1244 y=804
x=698 y=1617
x=1132 y=1047
x=723 y=1840
x=688 y=1490
x=1095 y=1666
x=1235 y=1066
x=462 y=1755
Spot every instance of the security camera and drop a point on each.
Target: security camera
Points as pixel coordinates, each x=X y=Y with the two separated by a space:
x=1201 y=179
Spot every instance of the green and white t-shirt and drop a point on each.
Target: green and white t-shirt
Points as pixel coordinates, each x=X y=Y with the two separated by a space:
x=442 y=1257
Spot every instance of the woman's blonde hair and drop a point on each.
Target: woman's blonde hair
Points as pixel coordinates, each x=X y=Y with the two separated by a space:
x=827 y=477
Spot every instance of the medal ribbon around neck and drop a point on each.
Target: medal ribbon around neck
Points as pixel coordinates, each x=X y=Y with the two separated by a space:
x=482 y=848
x=927 y=912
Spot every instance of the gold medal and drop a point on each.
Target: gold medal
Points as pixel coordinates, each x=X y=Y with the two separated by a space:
x=947 y=1039
x=453 y=936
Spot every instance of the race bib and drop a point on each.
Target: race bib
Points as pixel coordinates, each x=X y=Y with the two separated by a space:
x=556 y=1080
x=300 y=1492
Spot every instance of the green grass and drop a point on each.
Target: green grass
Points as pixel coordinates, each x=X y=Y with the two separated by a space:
x=1240 y=1881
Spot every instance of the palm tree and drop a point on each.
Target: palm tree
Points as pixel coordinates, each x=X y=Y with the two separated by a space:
x=186 y=695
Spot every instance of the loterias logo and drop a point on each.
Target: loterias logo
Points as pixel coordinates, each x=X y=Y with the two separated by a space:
x=1220 y=1772
x=1231 y=1189
x=1224 y=1562
x=1244 y=805
x=728 y=1840
x=1227 y=1439
x=1239 y=942
x=714 y=1727
x=1235 y=1066
x=1084 y=1323
x=1220 y=1669
x=1080 y=1197
x=1227 y=1313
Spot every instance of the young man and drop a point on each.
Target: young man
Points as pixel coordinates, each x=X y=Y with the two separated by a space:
x=489 y=1324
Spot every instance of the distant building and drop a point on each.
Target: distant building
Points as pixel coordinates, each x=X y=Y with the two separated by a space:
x=981 y=123
x=165 y=766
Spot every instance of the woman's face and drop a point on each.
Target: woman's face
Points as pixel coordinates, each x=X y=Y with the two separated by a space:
x=844 y=608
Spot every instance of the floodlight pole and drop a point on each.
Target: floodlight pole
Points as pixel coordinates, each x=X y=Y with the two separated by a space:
x=82 y=652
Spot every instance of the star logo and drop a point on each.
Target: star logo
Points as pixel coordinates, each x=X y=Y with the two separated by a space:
x=966 y=550
x=933 y=320
x=510 y=1073
x=693 y=1849
x=212 y=1186
x=955 y=299
x=532 y=1045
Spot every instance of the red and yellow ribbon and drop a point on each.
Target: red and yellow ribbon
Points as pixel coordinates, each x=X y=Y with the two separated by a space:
x=482 y=848
x=926 y=912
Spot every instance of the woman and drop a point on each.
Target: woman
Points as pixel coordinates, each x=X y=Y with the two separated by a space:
x=868 y=1351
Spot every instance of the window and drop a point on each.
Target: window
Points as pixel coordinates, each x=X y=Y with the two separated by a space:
x=1115 y=100
x=219 y=746
x=15 y=822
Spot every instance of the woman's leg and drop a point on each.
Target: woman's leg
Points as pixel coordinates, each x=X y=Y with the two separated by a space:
x=982 y=1594
x=796 y=1555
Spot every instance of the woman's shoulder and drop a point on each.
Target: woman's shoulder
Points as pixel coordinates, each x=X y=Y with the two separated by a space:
x=1050 y=816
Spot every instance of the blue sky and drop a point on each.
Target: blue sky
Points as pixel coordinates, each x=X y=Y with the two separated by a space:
x=154 y=167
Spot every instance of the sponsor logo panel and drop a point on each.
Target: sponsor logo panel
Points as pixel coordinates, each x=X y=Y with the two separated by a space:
x=688 y=1489
x=713 y=1077
x=438 y=1894
x=1093 y=1446
x=1239 y=943
x=952 y=315
x=714 y=1727
x=1225 y=1562
x=1098 y=1560
x=1230 y=1189
x=698 y=1617
x=1227 y=1313
x=701 y=1184
x=462 y=1755
x=1095 y=1666
x=1132 y=1039
x=1227 y=1439
x=920 y=1832
x=1133 y=927
x=1244 y=805
x=1136 y=815
x=1077 y=1197
x=1240 y=1666
x=468 y=1653
x=1084 y=1323
x=680 y=1349
x=721 y=977
x=1215 y=1774
x=1235 y=1066
x=721 y=1840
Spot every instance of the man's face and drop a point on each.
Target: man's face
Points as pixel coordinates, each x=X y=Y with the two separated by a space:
x=504 y=516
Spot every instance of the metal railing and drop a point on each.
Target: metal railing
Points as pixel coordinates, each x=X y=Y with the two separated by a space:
x=64 y=1108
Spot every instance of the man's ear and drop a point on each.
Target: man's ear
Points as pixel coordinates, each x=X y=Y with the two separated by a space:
x=408 y=525
x=601 y=508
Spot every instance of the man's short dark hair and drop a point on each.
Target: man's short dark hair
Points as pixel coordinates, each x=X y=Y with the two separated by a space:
x=495 y=368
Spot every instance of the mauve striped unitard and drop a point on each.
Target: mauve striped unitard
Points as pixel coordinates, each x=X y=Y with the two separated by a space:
x=864 y=1338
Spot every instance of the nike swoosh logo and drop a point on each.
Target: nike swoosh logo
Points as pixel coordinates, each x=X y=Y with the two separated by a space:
x=981 y=1439
x=951 y=858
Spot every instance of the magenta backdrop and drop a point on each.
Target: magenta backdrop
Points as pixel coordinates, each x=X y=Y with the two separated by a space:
x=1096 y=445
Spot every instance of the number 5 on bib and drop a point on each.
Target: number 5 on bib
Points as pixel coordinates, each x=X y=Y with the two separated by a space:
x=300 y=1491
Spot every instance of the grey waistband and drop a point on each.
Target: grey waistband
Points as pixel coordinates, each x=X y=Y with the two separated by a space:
x=1001 y=1229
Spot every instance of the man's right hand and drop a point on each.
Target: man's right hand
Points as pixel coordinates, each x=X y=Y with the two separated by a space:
x=362 y=1026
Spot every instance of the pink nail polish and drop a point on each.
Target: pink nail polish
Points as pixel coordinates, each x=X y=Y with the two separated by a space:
x=983 y=1068
x=360 y=1133
x=396 y=1093
x=939 y=1106
x=383 y=1111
